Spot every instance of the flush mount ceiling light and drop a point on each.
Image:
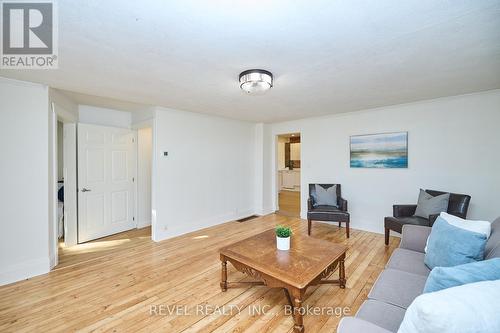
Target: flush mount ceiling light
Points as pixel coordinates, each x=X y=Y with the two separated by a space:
x=256 y=81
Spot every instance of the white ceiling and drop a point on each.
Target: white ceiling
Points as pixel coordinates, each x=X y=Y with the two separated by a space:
x=327 y=56
x=105 y=102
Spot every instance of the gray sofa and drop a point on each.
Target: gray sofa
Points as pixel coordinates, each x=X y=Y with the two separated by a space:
x=401 y=282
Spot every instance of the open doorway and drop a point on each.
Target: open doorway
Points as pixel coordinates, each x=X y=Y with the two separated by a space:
x=288 y=174
x=60 y=181
x=102 y=180
x=63 y=182
x=91 y=248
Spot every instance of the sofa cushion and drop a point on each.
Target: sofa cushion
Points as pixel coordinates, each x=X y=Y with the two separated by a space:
x=381 y=314
x=356 y=325
x=397 y=287
x=429 y=205
x=414 y=237
x=408 y=261
x=327 y=213
x=447 y=277
x=492 y=249
x=450 y=246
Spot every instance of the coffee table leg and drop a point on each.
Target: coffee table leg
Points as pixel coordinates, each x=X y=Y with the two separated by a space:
x=297 y=311
x=223 y=282
x=342 y=279
x=289 y=299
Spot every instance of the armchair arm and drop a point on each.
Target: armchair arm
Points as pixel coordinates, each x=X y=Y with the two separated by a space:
x=403 y=210
x=342 y=204
x=414 y=237
x=356 y=325
x=310 y=203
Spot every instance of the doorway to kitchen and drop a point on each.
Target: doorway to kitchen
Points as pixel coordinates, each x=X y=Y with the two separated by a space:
x=288 y=174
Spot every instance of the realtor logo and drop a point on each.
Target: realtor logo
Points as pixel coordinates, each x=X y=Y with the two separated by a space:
x=29 y=35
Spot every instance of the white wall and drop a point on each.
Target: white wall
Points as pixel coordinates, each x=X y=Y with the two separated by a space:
x=67 y=109
x=105 y=117
x=144 y=151
x=258 y=168
x=139 y=117
x=207 y=177
x=454 y=145
x=24 y=172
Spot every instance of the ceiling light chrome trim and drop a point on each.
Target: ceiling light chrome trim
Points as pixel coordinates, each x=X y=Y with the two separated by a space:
x=256 y=81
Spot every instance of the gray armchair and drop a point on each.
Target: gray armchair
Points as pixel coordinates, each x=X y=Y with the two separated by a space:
x=327 y=213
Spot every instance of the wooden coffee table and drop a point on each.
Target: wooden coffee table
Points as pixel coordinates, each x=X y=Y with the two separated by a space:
x=308 y=262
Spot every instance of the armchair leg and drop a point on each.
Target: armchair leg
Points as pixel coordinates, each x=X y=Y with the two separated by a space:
x=339 y=224
x=347 y=229
x=309 y=227
x=387 y=231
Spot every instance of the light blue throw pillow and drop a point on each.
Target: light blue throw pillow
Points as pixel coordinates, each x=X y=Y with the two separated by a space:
x=447 y=277
x=451 y=246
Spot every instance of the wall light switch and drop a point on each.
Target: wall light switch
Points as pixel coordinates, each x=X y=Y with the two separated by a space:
x=165 y=153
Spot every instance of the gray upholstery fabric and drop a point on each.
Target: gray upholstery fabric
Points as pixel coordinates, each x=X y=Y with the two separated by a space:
x=327 y=197
x=408 y=261
x=397 y=287
x=356 y=325
x=414 y=237
x=381 y=314
x=492 y=249
x=401 y=282
x=429 y=205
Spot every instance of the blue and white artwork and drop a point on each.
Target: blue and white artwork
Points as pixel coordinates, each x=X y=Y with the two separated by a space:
x=387 y=150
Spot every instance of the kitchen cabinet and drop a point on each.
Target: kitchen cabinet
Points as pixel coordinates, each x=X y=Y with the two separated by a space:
x=289 y=179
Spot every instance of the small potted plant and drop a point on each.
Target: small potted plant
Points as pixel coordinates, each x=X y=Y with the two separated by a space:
x=283 y=237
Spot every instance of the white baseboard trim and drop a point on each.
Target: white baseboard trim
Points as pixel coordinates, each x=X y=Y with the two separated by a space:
x=202 y=224
x=24 y=270
x=264 y=211
x=143 y=224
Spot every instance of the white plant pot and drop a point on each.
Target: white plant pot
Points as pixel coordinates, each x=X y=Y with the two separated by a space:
x=283 y=243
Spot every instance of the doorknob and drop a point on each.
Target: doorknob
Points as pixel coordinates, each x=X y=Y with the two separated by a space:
x=85 y=190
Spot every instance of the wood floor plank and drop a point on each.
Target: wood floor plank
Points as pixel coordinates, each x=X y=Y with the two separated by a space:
x=289 y=203
x=111 y=284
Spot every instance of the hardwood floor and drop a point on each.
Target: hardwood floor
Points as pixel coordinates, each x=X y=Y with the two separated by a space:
x=289 y=203
x=124 y=286
x=87 y=251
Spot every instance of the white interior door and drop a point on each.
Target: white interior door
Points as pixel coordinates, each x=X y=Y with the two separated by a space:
x=106 y=175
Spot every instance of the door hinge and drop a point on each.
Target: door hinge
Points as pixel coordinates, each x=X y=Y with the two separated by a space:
x=133 y=139
x=133 y=179
x=133 y=218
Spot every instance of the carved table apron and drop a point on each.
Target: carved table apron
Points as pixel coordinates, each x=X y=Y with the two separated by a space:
x=294 y=294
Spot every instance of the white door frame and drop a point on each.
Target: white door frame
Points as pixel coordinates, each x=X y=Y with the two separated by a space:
x=143 y=124
x=53 y=250
x=57 y=112
x=275 y=175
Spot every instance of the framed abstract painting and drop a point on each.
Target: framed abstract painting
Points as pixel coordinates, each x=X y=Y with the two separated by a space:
x=385 y=150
